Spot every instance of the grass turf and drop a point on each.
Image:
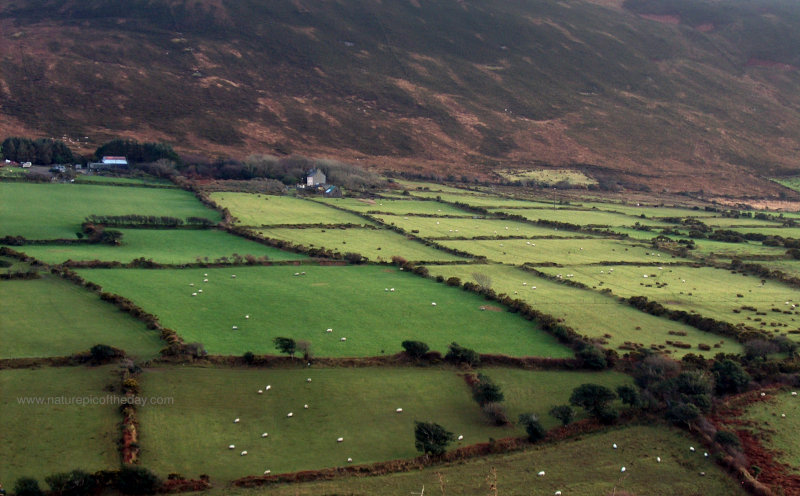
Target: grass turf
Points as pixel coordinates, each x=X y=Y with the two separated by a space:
x=41 y=439
x=584 y=466
x=51 y=211
x=777 y=433
x=395 y=207
x=52 y=317
x=375 y=244
x=166 y=246
x=194 y=433
x=591 y=313
x=352 y=300
x=262 y=210
x=430 y=227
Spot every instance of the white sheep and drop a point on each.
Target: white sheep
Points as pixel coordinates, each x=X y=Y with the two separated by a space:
x=705 y=454
x=264 y=435
x=614 y=445
x=235 y=328
x=329 y=330
x=236 y=420
x=783 y=415
x=386 y=289
x=557 y=493
x=349 y=460
x=194 y=294
x=297 y=273
x=303 y=273
x=268 y=387
x=763 y=394
x=794 y=393
x=691 y=448
x=247 y=316
x=399 y=410
x=658 y=459
x=308 y=379
x=243 y=453
x=267 y=472
x=460 y=437
x=540 y=474
x=199 y=290
x=191 y=284
x=205 y=280
x=305 y=406
x=205 y=275
x=260 y=391
x=290 y=414
x=622 y=469
x=230 y=446
x=391 y=290
x=339 y=440
x=233 y=276
x=433 y=303
x=343 y=339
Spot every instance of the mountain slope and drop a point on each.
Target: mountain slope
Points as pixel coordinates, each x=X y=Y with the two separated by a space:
x=666 y=93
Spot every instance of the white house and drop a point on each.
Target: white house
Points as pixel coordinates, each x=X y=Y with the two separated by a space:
x=315 y=177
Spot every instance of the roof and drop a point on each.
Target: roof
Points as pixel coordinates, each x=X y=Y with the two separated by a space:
x=114 y=160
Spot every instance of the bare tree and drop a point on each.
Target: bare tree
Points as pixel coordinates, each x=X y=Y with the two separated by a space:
x=483 y=280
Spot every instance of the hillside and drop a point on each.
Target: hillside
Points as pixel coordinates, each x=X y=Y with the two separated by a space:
x=682 y=95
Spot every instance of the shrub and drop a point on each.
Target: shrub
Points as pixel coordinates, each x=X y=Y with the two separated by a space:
x=137 y=480
x=486 y=391
x=629 y=395
x=459 y=354
x=431 y=438
x=592 y=357
x=75 y=483
x=495 y=413
x=249 y=357
x=532 y=426
x=594 y=398
x=27 y=486
x=727 y=439
x=564 y=413
x=453 y=281
x=415 y=349
x=730 y=377
x=607 y=415
x=285 y=345
x=683 y=413
x=102 y=353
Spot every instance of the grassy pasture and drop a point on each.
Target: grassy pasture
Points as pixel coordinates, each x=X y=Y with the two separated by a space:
x=706 y=247
x=39 y=440
x=598 y=474
x=589 y=312
x=791 y=267
x=395 y=207
x=50 y=211
x=779 y=433
x=727 y=222
x=649 y=211
x=431 y=227
x=548 y=177
x=52 y=317
x=415 y=186
x=140 y=181
x=786 y=232
x=349 y=299
x=481 y=200
x=561 y=251
x=707 y=291
x=584 y=217
x=376 y=245
x=262 y=210
x=167 y=246
x=192 y=435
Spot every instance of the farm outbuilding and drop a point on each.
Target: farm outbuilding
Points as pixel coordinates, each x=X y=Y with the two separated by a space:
x=315 y=177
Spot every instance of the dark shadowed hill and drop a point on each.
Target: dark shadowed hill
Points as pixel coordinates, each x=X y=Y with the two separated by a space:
x=674 y=94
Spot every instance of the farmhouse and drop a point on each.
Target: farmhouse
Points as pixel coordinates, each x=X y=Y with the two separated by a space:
x=315 y=177
x=110 y=162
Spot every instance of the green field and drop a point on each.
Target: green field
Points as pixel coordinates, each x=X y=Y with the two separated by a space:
x=142 y=181
x=375 y=244
x=41 y=439
x=720 y=249
x=790 y=267
x=728 y=222
x=589 y=312
x=585 y=466
x=431 y=227
x=480 y=200
x=166 y=246
x=649 y=211
x=263 y=210
x=595 y=218
x=709 y=292
x=776 y=430
x=355 y=404
x=395 y=207
x=52 y=317
x=549 y=177
x=561 y=251
x=52 y=211
x=352 y=300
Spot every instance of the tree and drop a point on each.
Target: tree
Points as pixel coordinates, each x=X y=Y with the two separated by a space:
x=594 y=398
x=532 y=426
x=75 y=483
x=629 y=395
x=483 y=280
x=592 y=357
x=305 y=348
x=486 y=391
x=415 y=349
x=285 y=345
x=102 y=353
x=564 y=413
x=759 y=348
x=431 y=438
x=727 y=439
x=137 y=480
x=27 y=486
x=729 y=377
x=683 y=413
x=459 y=354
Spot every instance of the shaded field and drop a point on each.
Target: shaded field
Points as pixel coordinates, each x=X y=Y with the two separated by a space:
x=41 y=439
x=584 y=466
x=261 y=210
x=778 y=433
x=50 y=211
x=358 y=405
x=166 y=246
x=709 y=292
x=591 y=313
x=560 y=251
x=52 y=317
x=376 y=245
x=354 y=301
x=395 y=207
x=429 y=227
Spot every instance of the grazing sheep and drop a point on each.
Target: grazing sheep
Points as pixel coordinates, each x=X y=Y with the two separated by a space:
x=260 y=391
x=199 y=290
x=705 y=454
x=230 y=446
x=399 y=410
x=343 y=339
x=386 y=289
x=702 y=474
x=205 y=280
x=233 y=276
x=645 y=276
x=614 y=445
x=205 y=275
x=391 y=290
x=243 y=453
x=268 y=387
x=308 y=380
x=264 y=434
x=794 y=393
x=658 y=459
x=305 y=406
x=460 y=437
x=349 y=460
x=267 y=472
x=540 y=474
x=329 y=330
x=339 y=440
x=290 y=414
x=247 y=316
x=297 y=273
x=236 y=420
x=524 y=283
x=691 y=448
x=622 y=469
x=783 y=415
x=303 y=273
x=194 y=294
x=191 y=284
x=433 y=303
x=533 y=287
x=235 y=328
x=763 y=394
x=557 y=493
